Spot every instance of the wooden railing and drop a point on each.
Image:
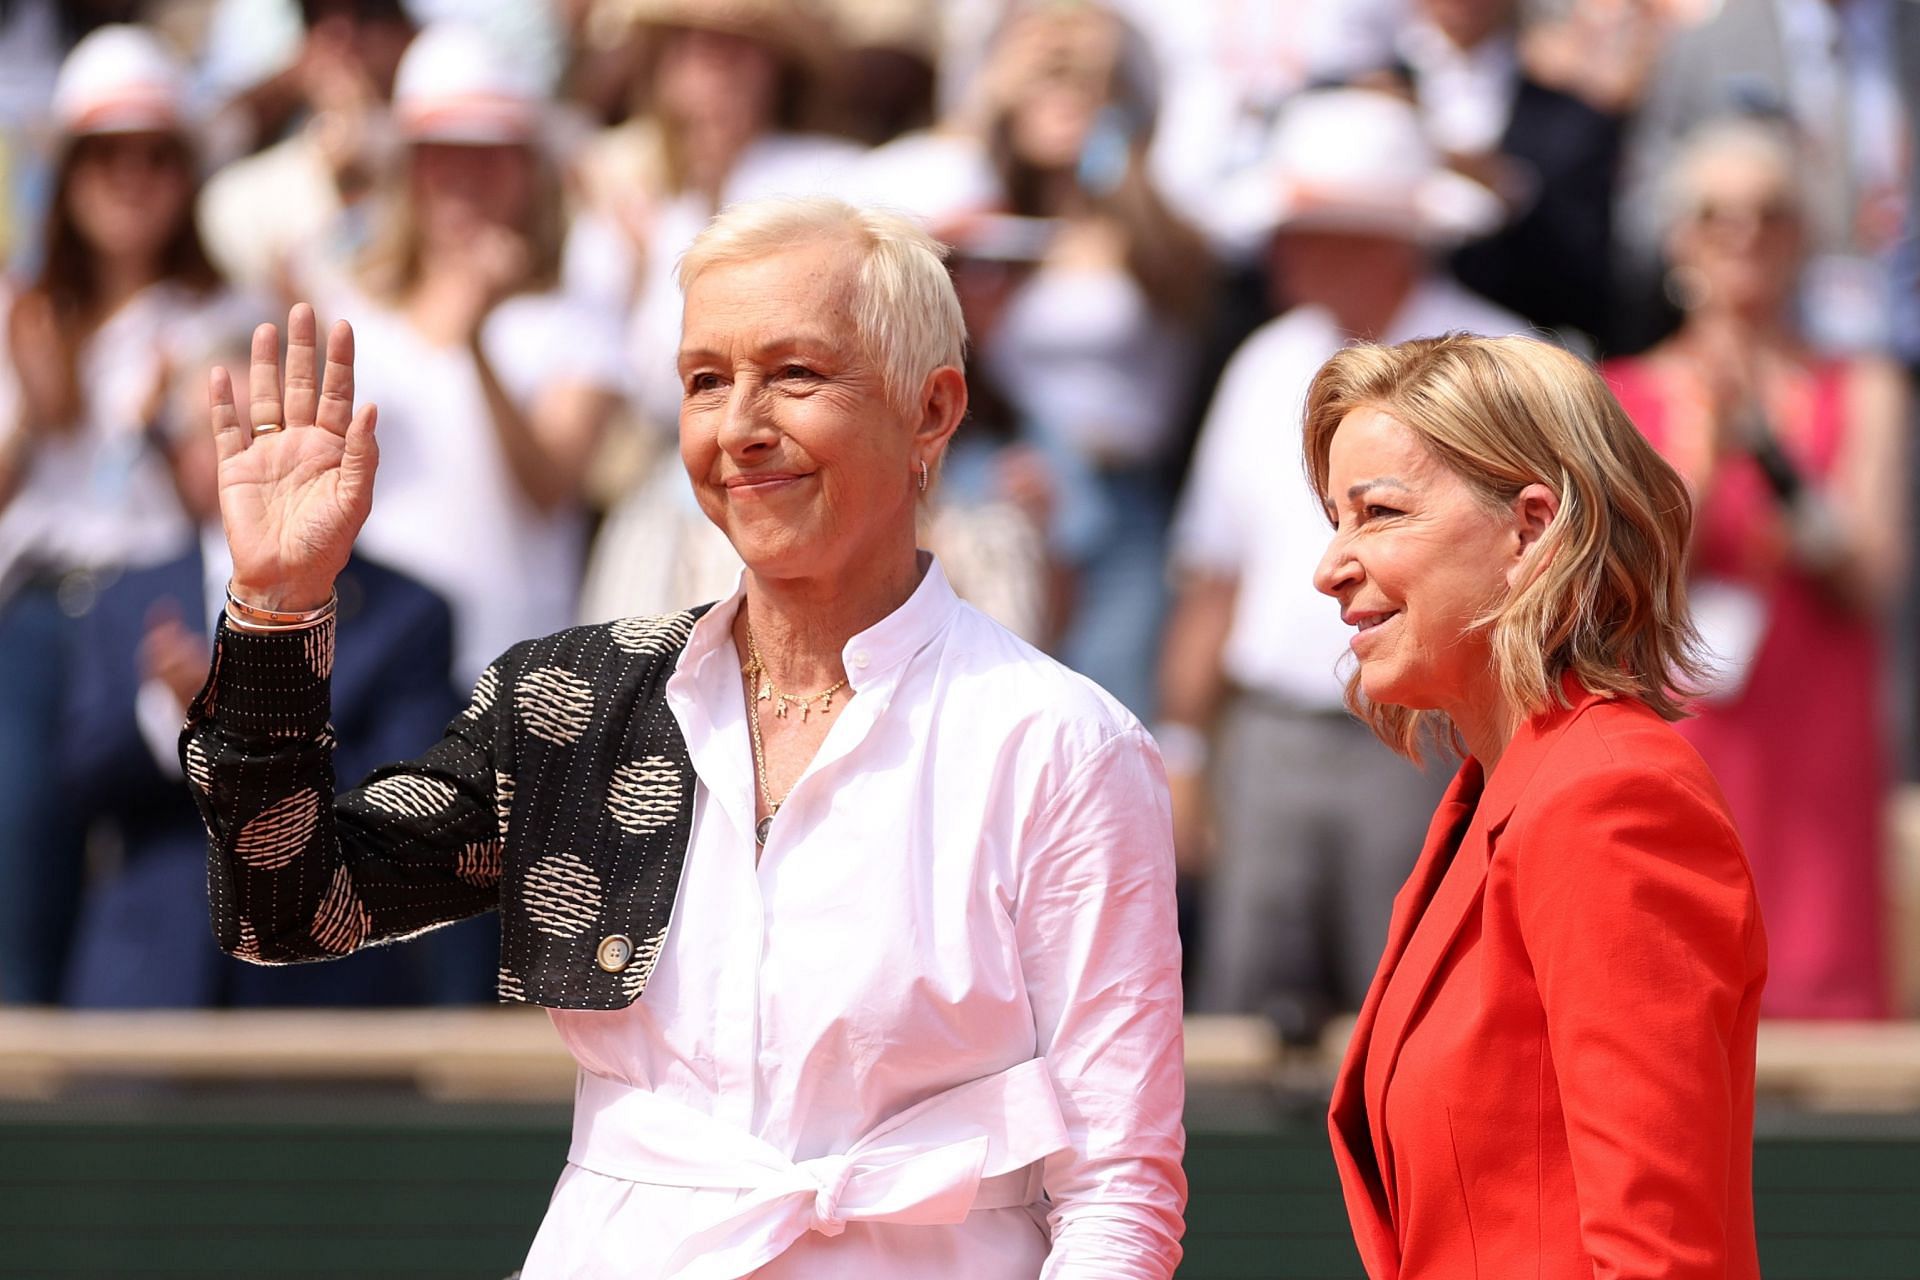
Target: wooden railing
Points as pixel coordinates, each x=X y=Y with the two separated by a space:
x=514 y=1053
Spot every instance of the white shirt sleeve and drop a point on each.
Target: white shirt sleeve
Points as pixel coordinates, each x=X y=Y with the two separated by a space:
x=1101 y=954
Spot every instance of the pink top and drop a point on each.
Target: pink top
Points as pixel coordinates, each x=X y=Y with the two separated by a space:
x=1797 y=749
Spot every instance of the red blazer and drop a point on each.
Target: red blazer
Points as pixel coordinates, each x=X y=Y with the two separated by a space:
x=1552 y=1075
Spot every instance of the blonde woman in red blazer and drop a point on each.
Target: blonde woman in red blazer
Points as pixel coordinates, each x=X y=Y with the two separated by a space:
x=1552 y=1075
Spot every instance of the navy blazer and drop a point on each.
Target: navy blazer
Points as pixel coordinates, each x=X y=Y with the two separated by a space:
x=144 y=936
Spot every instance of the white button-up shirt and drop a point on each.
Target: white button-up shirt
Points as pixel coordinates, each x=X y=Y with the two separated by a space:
x=975 y=872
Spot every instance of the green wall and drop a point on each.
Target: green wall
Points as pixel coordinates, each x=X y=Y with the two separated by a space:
x=281 y=1185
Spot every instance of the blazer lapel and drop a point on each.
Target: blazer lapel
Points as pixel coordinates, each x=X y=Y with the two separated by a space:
x=1454 y=900
x=1469 y=819
x=1355 y=1153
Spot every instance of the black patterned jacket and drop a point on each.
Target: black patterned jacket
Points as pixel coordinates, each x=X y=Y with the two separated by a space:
x=562 y=795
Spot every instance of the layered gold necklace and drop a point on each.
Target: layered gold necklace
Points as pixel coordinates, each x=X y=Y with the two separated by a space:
x=762 y=689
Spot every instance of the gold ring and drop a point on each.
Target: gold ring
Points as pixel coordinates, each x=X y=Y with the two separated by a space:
x=269 y=428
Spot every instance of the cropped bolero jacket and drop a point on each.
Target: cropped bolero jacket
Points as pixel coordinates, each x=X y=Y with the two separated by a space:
x=562 y=794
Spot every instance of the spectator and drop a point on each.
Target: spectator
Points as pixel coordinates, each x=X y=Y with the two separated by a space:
x=1016 y=512
x=292 y=216
x=90 y=344
x=1795 y=460
x=137 y=659
x=1097 y=347
x=892 y=58
x=1229 y=69
x=727 y=94
x=1317 y=823
x=1838 y=71
x=1551 y=154
x=493 y=384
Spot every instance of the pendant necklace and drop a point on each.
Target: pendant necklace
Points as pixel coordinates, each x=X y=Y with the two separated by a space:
x=761 y=689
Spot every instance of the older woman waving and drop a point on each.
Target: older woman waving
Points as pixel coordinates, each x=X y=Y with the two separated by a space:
x=856 y=912
x=1552 y=1075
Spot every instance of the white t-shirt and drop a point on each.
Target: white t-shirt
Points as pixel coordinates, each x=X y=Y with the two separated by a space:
x=99 y=494
x=1083 y=353
x=1248 y=511
x=911 y=927
x=446 y=507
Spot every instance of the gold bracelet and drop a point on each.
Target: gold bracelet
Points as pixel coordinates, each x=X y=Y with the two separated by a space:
x=248 y=617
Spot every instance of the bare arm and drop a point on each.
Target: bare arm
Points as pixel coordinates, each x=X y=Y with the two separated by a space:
x=1192 y=684
x=1870 y=487
x=1192 y=670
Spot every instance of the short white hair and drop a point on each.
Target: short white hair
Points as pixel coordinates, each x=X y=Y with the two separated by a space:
x=904 y=304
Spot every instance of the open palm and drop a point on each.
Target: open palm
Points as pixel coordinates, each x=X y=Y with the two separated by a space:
x=293 y=500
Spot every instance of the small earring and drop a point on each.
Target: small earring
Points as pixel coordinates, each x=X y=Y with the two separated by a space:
x=923 y=475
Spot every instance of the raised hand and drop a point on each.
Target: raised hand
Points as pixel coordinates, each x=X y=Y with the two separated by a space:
x=49 y=391
x=293 y=500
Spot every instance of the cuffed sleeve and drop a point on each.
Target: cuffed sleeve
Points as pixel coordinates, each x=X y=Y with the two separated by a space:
x=1101 y=953
x=295 y=873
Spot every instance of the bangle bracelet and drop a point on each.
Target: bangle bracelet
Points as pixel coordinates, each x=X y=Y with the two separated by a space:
x=248 y=617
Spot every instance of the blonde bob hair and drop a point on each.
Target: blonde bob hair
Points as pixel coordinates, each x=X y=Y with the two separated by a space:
x=904 y=305
x=1604 y=596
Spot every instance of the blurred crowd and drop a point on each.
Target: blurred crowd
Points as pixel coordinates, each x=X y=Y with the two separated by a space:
x=1163 y=216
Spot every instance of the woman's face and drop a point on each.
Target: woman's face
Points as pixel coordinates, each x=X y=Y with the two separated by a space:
x=457 y=189
x=1741 y=239
x=1416 y=557
x=1059 y=68
x=786 y=431
x=1051 y=123
x=713 y=78
x=128 y=192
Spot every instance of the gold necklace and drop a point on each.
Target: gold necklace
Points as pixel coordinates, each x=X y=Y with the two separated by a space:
x=760 y=689
x=757 y=668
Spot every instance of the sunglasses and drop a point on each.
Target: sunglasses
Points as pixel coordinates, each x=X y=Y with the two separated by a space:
x=1768 y=215
x=151 y=152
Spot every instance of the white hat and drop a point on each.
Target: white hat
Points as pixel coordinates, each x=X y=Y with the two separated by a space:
x=121 y=79
x=456 y=85
x=1357 y=160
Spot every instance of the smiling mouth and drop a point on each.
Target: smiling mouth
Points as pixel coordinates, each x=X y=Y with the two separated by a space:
x=1366 y=622
x=736 y=484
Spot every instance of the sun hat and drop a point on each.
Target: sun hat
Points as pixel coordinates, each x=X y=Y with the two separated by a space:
x=121 y=79
x=803 y=32
x=1357 y=160
x=911 y=26
x=455 y=85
